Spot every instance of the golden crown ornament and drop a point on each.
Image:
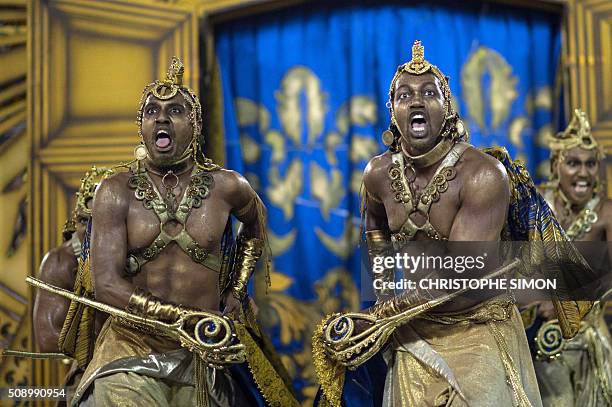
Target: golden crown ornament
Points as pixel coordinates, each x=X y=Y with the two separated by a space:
x=577 y=134
x=89 y=183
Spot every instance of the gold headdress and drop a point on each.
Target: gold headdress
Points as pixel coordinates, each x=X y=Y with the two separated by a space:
x=577 y=134
x=167 y=89
x=86 y=191
x=452 y=127
x=418 y=64
x=88 y=186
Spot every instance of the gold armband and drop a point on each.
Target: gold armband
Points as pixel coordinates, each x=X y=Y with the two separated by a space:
x=248 y=251
x=400 y=303
x=147 y=305
x=379 y=245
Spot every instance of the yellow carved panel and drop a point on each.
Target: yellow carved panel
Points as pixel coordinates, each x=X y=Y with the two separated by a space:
x=107 y=87
x=14 y=154
x=589 y=60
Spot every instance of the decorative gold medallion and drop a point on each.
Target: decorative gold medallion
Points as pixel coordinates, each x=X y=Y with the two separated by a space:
x=140 y=152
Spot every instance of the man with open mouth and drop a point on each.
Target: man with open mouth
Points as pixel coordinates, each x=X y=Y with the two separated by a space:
x=432 y=185
x=166 y=267
x=447 y=190
x=581 y=374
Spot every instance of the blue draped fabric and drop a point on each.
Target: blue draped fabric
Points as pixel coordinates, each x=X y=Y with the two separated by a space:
x=304 y=93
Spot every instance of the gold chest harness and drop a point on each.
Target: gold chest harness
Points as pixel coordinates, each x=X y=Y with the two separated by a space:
x=199 y=187
x=436 y=186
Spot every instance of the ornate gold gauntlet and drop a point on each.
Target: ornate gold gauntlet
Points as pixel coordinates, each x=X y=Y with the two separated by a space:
x=399 y=303
x=145 y=304
x=248 y=251
x=379 y=245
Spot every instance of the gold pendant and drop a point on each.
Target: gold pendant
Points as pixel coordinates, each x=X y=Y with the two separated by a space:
x=140 y=152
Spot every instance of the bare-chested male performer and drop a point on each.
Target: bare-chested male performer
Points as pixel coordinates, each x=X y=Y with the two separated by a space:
x=158 y=247
x=581 y=375
x=431 y=185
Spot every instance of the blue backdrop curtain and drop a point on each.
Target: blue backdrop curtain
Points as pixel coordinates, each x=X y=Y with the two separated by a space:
x=304 y=93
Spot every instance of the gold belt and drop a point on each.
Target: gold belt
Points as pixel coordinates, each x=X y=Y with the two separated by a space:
x=493 y=310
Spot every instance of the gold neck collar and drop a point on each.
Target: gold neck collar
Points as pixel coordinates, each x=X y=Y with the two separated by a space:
x=568 y=205
x=431 y=157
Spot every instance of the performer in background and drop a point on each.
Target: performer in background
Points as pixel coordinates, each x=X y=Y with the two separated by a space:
x=59 y=267
x=432 y=185
x=581 y=375
x=160 y=248
x=53 y=318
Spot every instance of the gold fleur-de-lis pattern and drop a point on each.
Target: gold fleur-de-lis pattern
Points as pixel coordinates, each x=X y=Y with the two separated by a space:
x=304 y=116
x=498 y=99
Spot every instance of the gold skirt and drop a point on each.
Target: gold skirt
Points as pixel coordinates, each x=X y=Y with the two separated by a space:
x=478 y=358
x=131 y=368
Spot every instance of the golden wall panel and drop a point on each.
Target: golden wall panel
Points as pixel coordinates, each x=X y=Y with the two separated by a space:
x=590 y=63
x=14 y=155
x=89 y=64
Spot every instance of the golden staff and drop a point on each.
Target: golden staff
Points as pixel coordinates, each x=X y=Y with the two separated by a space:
x=33 y=355
x=353 y=350
x=211 y=336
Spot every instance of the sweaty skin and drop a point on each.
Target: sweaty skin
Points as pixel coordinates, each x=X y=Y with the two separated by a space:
x=122 y=224
x=475 y=206
x=59 y=267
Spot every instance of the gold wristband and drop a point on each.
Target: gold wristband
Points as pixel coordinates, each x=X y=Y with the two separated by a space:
x=379 y=245
x=147 y=305
x=247 y=254
x=377 y=238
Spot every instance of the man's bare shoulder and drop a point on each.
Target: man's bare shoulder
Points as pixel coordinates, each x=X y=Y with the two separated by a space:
x=58 y=254
x=117 y=180
x=377 y=171
x=483 y=173
x=58 y=263
x=113 y=192
x=229 y=182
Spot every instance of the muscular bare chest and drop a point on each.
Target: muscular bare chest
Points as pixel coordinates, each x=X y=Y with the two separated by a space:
x=205 y=224
x=441 y=212
x=173 y=272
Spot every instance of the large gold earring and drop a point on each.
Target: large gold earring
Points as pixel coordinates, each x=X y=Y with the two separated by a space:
x=388 y=138
x=460 y=127
x=140 y=152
